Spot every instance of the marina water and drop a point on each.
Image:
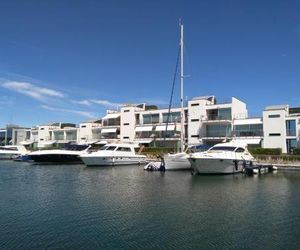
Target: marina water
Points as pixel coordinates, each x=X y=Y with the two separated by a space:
x=75 y=207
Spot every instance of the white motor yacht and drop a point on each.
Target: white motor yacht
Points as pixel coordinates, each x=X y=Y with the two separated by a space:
x=10 y=151
x=222 y=158
x=69 y=154
x=113 y=155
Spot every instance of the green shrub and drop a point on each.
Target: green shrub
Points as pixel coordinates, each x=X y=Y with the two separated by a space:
x=296 y=151
x=266 y=151
x=157 y=151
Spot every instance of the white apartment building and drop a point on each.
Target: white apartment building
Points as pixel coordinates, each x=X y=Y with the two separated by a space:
x=55 y=133
x=211 y=122
x=21 y=136
x=281 y=127
x=249 y=131
x=205 y=121
x=145 y=124
x=89 y=131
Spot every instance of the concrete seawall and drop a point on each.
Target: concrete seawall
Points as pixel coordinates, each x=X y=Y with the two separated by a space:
x=283 y=165
x=288 y=166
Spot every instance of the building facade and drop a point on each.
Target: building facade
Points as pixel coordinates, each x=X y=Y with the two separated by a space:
x=205 y=121
x=281 y=127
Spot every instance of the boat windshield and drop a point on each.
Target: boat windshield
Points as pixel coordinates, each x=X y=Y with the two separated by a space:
x=75 y=147
x=222 y=148
x=8 y=149
x=110 y=148
x=124 y=149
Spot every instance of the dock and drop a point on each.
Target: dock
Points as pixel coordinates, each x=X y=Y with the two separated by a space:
x=256 y=168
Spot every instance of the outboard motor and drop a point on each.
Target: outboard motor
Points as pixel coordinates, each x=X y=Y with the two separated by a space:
x=162 y=165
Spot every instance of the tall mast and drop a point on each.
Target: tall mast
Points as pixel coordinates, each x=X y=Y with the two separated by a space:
x=181 y=89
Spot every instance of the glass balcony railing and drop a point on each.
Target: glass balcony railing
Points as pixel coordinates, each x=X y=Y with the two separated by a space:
x=158 y=134
x=219 y=134
x=217 y=117
x=249 y=133
x=291 y=132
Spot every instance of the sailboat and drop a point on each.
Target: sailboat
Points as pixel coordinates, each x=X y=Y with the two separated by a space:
x=179 y=161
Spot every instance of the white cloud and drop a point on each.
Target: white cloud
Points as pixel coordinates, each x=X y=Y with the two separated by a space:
x=104 y=103
x=31 y=90
x=83 y=102
x=78 y=112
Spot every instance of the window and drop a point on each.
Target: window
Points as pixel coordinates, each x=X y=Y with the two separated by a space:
x=221 y=148
x=194 y=120
x=225 y=114
x=274 y=134
x=125 y=124
x=219 y=114
x=41 y=139
x=42 y=128
x=151 y=118
x=125 y=137
x=126 y=110
x=83 y=126
x=240 y=150
x=274 y=116
x=173 y=117
x=194 y=136
x=291 y=144
x=248 y=130
x=290 y=127
x=111 y=148
x=123 y=149
x=218 y=130
x=194 y=104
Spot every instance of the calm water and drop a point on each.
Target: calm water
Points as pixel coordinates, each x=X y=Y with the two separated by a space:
x=74 y=207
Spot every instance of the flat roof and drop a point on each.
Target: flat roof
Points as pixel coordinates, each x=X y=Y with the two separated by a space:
x=276 y=107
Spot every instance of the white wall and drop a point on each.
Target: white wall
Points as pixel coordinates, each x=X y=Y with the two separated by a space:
x=239 y=109
x=44 y=133
x=127 y=126
x=85 y=132
x=19 y=135
x=274 y=125
x=34 y=134
x=196 y=113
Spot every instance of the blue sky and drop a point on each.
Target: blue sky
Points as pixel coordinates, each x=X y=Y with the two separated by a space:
x=71 y=60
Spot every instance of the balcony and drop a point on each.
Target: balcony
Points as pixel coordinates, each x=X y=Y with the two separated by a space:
x=249 y=133
x=216 y=119
x=290 y=132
